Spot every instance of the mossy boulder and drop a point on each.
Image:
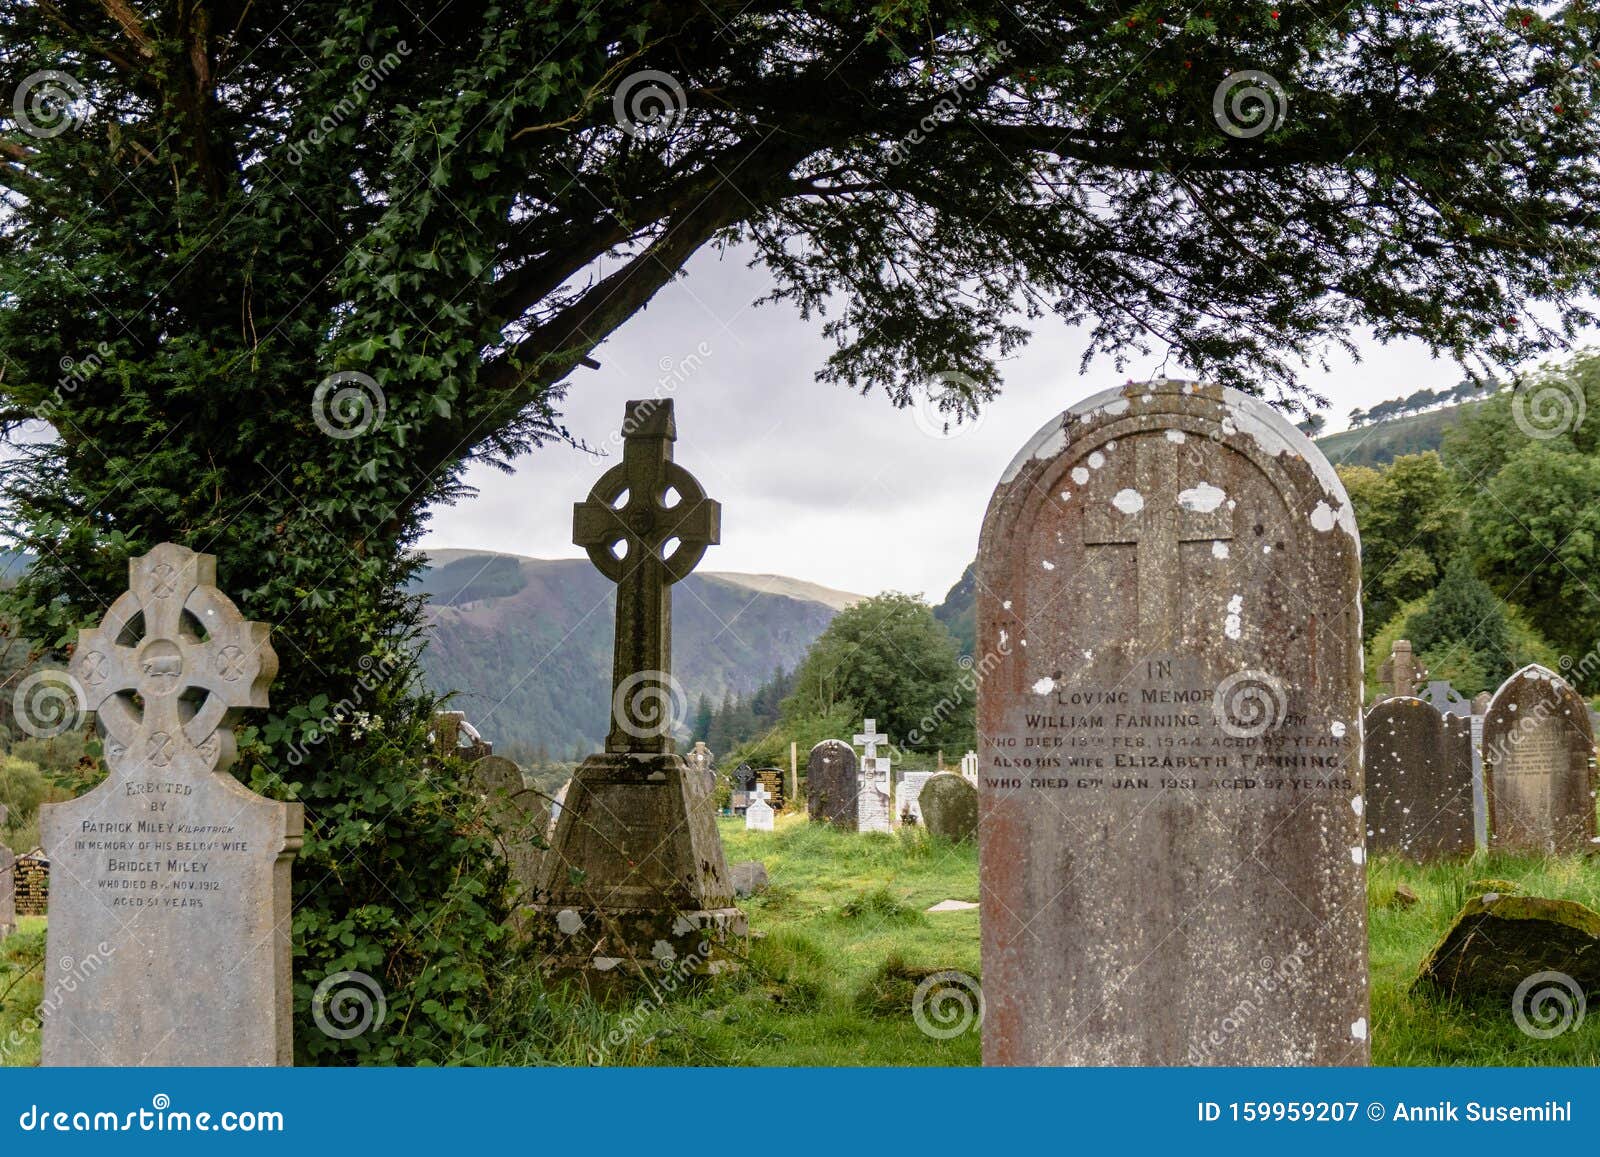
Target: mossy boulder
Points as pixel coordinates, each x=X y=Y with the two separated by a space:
x=949 y=807
x=1498 y=941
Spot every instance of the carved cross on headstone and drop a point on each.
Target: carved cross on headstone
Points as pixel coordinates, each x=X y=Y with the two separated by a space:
x=646 y=524
x=758 y=794
x=1156 y=515
x=869 y=739
x=179 y=644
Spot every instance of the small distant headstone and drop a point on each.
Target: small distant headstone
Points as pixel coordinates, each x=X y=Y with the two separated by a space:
x=453 y=735
x=1171 y=782
x=516 y=816
x=1399 y=673
x=749 y=877
x=171 y=877
x=1539 y=768
x=907 y=808
x=1480 y=703
x=833 y=784
x=1445 y=699
x=1419 y=780
x=771 y=779
x=700 y=760
x=950 y=807
x=32 y=879
x=873 y=812
x=758 y=815
x=969 y=766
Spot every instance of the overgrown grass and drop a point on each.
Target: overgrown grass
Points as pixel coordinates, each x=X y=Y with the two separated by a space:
x=842 y=937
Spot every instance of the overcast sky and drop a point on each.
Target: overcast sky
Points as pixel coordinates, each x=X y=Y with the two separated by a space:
x=816 y=481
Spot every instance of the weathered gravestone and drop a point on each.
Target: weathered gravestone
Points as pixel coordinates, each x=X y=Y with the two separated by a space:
x=1538 y=761
x=516 y=816
x=636 y=878
x=873 y=802
x=758 y=815
x=1419 y=780
x=1399 y=673
x=1444 y=698
x=700 y=761
x=907 y=796
x=833 y=783
x=1171 y=787
x=454 y=736
x=950 y=807
x=171 y=879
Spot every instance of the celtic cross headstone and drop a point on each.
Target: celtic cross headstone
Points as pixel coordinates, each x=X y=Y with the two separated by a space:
x=636 y=879
x=170 y=880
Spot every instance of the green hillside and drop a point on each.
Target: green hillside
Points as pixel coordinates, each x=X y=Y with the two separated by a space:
x=1385 y=441
x=526 y=643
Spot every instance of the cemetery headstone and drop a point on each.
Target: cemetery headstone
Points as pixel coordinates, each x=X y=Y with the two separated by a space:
x=950 y=807
x=833 y=784
x=907 y=806
x=1170 y=782
x=1399 y=673
x=636 y=879
x=171 y=891
x=453 y=735
x=1445 y=699
x=758 y=814
x=517 y=818
x=969 y=766
x=700 y=760
x=873 y=805
x=1419 y=780
x=31 y=876
x=771 y=778
x=1539 y=770
x=1480 y=703
x=1480 y=794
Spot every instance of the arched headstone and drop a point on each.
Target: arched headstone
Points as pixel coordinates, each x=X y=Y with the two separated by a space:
x=950 y=807
x=517 y=817
x=833 y=783
x=1419 y=780
x=1170 y=782
x=1538 y=762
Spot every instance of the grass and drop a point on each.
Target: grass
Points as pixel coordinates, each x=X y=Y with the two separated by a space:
x=841 y=940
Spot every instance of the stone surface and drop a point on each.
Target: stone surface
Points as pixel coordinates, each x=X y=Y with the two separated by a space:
x=454 y=736
x=969 y=766
x=833 y=784
x=950 y=807
x=635 y=880
x=758 y=813
x=1172 y=848
x=907 y=796
x=702 y=762
x=1399 y=673
x=517 y=818
x=1498 y=942
x=952 y=906
x=1405 y=896
x=1445 y=699
x=171 y=879
x=1538 y=761
x=749 y=877
x=1419 y=781
x=874 y=801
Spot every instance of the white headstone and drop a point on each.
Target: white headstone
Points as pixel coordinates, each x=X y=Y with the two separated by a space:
x=969 y=766
x=873 y=810
x=908 y=795
x=758 y=816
